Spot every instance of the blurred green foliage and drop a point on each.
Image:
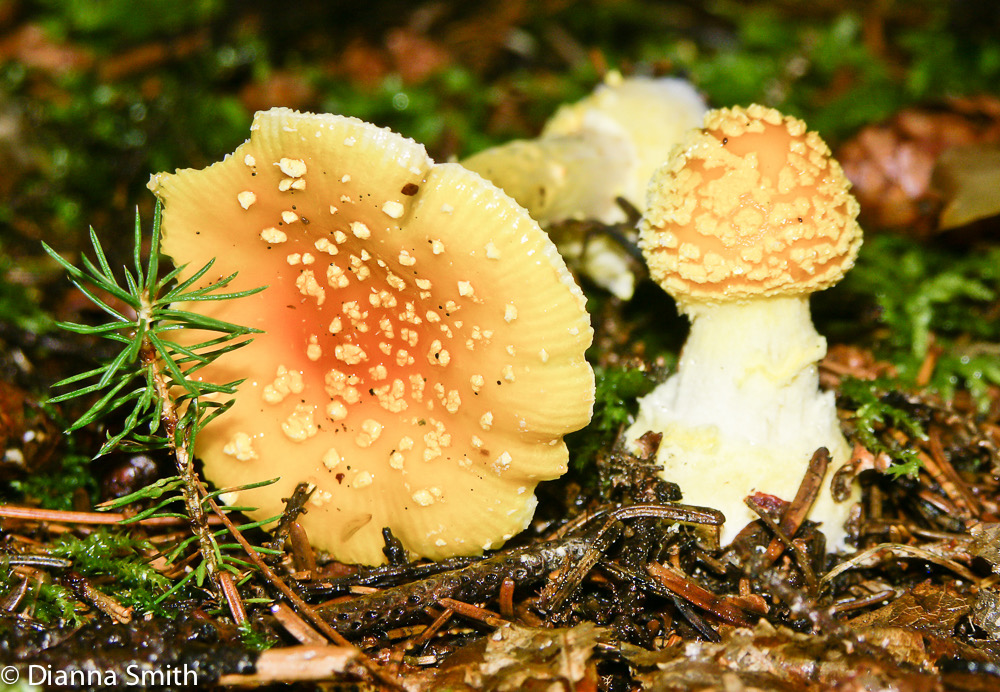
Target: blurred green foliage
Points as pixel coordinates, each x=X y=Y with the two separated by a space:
x=125 y=21
x=53 y=487
x=933 y=297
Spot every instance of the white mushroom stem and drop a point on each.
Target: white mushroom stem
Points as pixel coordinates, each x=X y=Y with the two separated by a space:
x=744 y=412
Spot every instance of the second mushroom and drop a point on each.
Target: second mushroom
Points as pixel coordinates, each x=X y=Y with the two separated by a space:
x=748 y=217
x=423 y=345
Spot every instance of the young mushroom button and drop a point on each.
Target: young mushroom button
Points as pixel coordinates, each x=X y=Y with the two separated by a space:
x=423 y=345
x=747 y=218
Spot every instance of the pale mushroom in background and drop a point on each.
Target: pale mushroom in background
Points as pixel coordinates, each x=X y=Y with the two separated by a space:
x=747 y=218
x=423 y=345
x=591 y=153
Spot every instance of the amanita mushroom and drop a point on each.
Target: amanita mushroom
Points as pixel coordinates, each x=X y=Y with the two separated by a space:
x=589 y=154
x=747 y=218
x=423 y=347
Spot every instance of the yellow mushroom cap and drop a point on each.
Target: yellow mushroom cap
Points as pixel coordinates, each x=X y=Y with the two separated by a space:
x=650 y=113
x=751 y=205
x=423 y=345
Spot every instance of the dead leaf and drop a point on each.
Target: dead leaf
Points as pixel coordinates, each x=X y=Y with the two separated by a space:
x=986 y=612
x=778 y=659
x=986 y=543
x=927 y=607
x=967 y=179
x=518 y=658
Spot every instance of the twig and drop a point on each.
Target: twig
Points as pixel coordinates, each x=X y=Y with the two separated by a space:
x=59 y=516
x=864 y=559
x=303 y=556
x=474 y=612
x=232 y=596
x=86 y=591
x=506 y=598
x=296 y=626
x=863 y=602
x=680 y=585
x=296 y=664
x=10 y=602
x=944 y=473
x=800 y=557
x=796 y=512
x=38 y=561
x=440 y=621
x=191 y=487
x=294 y=506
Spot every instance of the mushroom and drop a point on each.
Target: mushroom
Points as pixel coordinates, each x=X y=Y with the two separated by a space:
x=748 y=217
x=591 y=153
x=423 y=345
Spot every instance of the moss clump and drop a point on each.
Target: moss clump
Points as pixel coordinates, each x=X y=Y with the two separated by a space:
x=618 y=387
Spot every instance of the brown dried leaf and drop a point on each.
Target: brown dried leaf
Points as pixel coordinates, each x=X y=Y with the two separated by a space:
x=986 y=612
x=986 y=543
x=968 y=179
x=766 y=658
x=518 y=658
x=927 y=607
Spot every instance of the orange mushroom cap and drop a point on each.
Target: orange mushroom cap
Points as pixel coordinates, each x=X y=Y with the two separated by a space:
x=751 y=205
x=423 y=345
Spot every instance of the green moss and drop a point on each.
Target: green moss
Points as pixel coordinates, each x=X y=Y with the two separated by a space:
x=118 y=21
x=53 y=487
x=117 y=560
x=256 y=638
x=874 y=414
x=933 y=297
x=45 y=601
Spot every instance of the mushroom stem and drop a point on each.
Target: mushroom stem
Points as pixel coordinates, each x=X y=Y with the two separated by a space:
x=746 y=399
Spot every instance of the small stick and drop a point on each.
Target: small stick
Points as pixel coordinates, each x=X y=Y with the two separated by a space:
x=296 y=626
x=926 y=370
x=680 y=585
x=862 y=602
x=440 y=621
x=865 y=559
x=232 y=596
x=296 y=664
x=12 y=600
x=294 y=506
x=800 y=557
x=944 y=473
x=103 y=602
x=506 y=598
x=796 y=512
x=303 y=556
x=555 y=594
x=474 y=612
x=66 y=517
x=39 y=561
